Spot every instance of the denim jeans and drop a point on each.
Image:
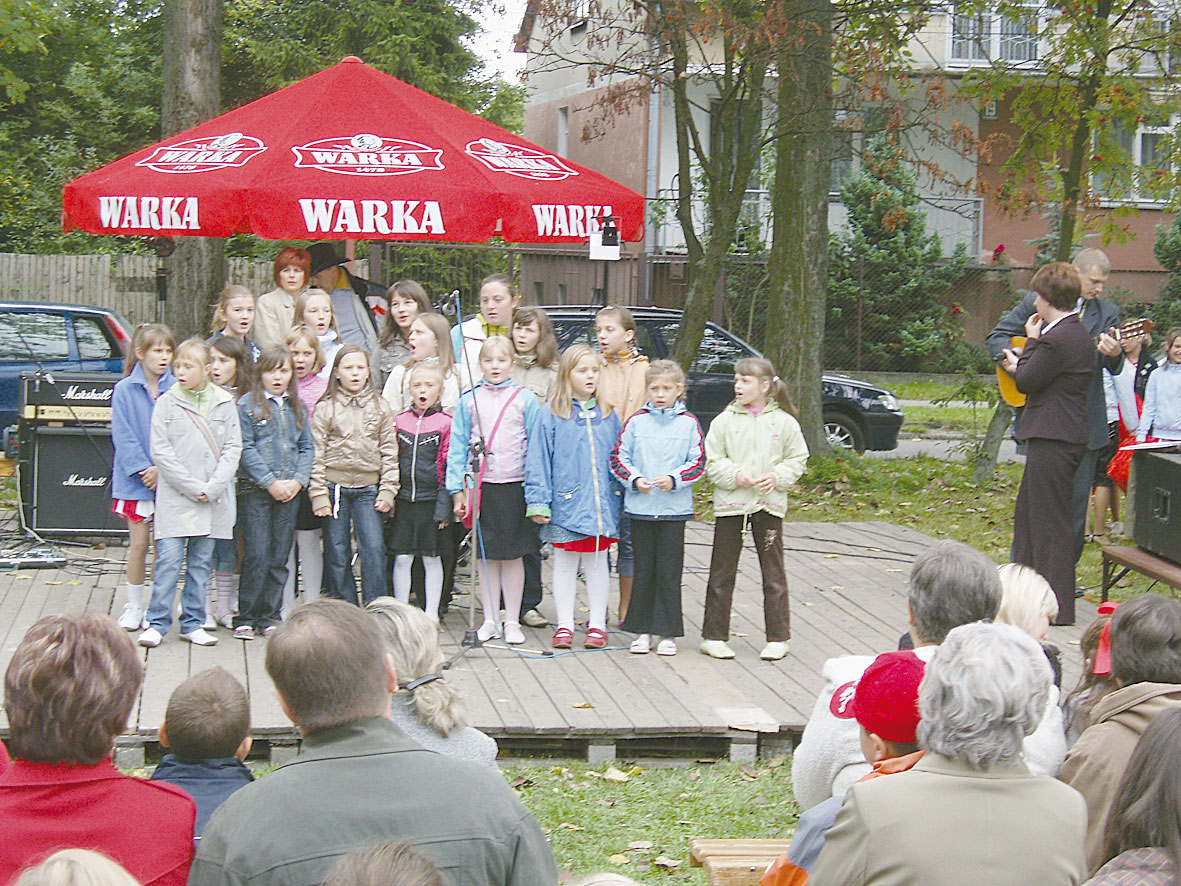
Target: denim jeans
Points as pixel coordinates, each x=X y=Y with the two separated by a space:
x=170 y=553
x=355 y=512
x=225 y=552
x=268 y=531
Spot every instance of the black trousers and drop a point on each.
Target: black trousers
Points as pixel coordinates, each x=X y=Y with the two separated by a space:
x=655 y=607
x=1043 y=520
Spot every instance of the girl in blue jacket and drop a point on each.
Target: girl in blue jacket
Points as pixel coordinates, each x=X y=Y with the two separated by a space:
x=133 y=475
x=660 y=455
x=569 y=490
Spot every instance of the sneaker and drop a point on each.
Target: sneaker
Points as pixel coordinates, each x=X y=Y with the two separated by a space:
x=667 y=646
x=150 y=638
x=774 y=650
x=131 y=618
x=534 y=619
x=642 y=645
x=512 y=633
x=717 y=649
x=243 y=632
x=563 y=638
x=200 y=637
x=595 y=639
x=269 y=631
x=487 y=631
x=210 y=622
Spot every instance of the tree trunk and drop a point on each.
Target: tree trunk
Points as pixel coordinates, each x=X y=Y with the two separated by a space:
x=798 y=262
x=985 y=458
x=192 y=95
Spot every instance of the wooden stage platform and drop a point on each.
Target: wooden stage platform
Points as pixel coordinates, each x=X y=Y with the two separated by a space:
x=848 y=595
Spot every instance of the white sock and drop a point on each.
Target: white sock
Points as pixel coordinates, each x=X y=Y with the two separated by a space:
x=210 y=596
x=490 y=590
x=433 y=567
x=402 y=564
x=227 y=592
x=311 y=562
x=512 y=586
x=135 y=595
x=564 y=585
x=598 y=587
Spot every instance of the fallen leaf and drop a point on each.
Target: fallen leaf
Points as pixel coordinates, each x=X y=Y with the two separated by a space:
x=830 y=556
x=23 y=577
x=521 y=781
x=616 y=775
x=619 y=859
x=54 y=582
x=635 y=770
x=694 y=774
x=75 y=581
x=683 y=821
x=640 y=844
x=583 y=705
x=603 y=801
x=750 y=772
x=663 y=861
x=893 y=570
x=567 y=826
x=836 y=587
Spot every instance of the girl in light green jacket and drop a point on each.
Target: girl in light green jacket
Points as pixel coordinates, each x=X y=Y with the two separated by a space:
x=754 y=452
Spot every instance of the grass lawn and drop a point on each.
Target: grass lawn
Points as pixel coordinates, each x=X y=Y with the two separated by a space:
x=921 y=420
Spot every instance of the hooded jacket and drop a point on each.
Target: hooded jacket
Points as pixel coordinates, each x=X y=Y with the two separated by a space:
x=739 y=440
x=660 y=443
x=423 y=441
x=1095 y=765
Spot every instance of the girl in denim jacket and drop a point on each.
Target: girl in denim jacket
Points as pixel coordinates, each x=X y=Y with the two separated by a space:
x=276 y=465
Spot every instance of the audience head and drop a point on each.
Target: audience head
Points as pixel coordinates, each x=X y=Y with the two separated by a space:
x=1095 y=681
x=1059 y=284
x=76 y=867
x=330 y=666
x=69 y=689
x=412 y=640
x=385 y=864
x=985 y=690
x=951 y=584
x=1146 y=811
x=885 y=704
x=208 y=717
x=1027 y=601
x=1146 y=641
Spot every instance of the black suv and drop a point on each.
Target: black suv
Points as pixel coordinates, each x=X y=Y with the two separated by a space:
x=857 y=415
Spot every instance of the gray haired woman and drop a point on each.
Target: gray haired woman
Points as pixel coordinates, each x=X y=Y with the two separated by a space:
x=426 y=707
x=969 y=812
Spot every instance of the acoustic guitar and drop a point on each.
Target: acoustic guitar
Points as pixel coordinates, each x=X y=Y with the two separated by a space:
x=1008 y=384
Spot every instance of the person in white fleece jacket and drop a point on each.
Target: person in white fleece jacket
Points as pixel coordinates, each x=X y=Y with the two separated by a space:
x=950 y=584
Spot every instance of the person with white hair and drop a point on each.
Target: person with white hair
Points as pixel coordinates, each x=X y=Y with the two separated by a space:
x=970 y=812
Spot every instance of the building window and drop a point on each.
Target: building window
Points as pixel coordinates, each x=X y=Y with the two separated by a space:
x=1135 y=164
x=579 y=10
x=989 y=36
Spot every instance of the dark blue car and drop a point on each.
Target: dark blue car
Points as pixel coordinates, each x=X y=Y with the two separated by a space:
x=56 y=338
x=857 y=415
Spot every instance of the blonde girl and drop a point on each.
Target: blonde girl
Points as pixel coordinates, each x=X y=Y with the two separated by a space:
x=754 y=453
x=276 y=309
x=354 y=475
x=233 y=315
x=498 y=300
x=133 y=474
x=313 y=309
x=196 y=443
x=497 y=416
x=308 y=359
x=430 y=343
x=231 y=368
x=536 y=346
x=1162 y=396
x=571 y=494
x=407 y=300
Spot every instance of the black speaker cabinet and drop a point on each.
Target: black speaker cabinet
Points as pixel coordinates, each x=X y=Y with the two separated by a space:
x=1157 y=517
x=65 y=476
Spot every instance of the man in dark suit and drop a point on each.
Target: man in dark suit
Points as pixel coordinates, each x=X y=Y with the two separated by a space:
x=1054 y=372
x=1098 y=316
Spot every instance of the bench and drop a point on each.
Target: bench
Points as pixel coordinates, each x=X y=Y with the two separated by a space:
x=735 y=862
x=1132 y=558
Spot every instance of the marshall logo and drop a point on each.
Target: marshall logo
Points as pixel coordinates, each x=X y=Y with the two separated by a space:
x=368 y=154
x=520 y=161
x=73 y=392
x=205 y=154
x=75 y=480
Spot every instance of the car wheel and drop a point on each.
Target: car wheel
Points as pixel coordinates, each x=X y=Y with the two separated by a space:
x=843 y=432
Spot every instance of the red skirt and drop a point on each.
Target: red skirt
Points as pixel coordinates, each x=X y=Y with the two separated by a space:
x=587 y=545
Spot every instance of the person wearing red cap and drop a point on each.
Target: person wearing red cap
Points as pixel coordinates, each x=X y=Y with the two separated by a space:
x=885 y=704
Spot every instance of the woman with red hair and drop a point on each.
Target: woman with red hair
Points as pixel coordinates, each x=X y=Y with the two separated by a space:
x=275 y=311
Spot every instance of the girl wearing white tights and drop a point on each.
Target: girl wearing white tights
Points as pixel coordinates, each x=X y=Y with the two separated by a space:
x=571 y=493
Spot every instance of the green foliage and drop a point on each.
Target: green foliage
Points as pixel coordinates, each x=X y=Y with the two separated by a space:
x=1166 y=312
x=21 y=26
x=886 y=274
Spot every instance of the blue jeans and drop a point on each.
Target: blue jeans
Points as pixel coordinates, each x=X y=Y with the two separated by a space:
x=268 y=530
x=170 y=553
x=355 y=511
x=225 y=552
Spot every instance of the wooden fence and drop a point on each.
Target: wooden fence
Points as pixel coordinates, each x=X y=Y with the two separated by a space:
x=123 y=283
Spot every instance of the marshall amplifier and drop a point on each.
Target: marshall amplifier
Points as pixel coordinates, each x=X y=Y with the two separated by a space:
x=1157 y=526
x=65 y=476
x=67 y=397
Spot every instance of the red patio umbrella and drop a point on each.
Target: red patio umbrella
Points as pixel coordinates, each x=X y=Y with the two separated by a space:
x=350 y=153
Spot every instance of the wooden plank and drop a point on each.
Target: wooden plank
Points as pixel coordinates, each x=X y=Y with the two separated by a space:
x=266 y=714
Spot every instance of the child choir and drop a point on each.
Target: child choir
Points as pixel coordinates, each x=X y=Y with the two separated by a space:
x=266 y=462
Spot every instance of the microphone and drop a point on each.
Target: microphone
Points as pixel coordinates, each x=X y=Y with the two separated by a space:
x=448 y=305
